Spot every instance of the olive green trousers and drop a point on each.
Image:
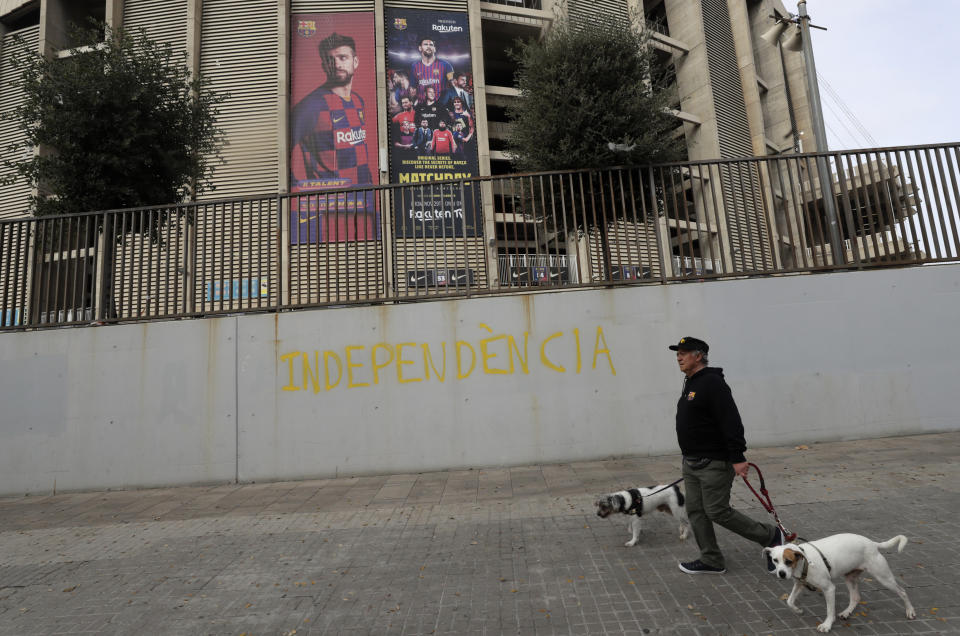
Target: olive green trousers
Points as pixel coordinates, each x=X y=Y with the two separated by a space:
x=707 y=492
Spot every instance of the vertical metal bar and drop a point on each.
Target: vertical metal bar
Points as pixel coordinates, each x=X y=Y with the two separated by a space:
x=948 y=219
x=56 y=263
x=725 y=265
x=686 y=217
x=198 y=255
x=65 y=266
x=883 y=248
x=756 y=172
x=7 y=257
x=745 y=231
x=954 y=173
x=886 y=203
x=814 y=227
x=886 y=208
x=138 y=255
x=909 y=222
x=931 y=243
x=566 y=229
x=876 y=206
x=858 y=235
x=630 y=194
x=282 y=292
x=647 y=225
x=940 y=217
x=464 y=213
x=868 y=210
x=30 y=264
x=703 y=213
x=775 y=164
x=847 y=212
x=668 y=221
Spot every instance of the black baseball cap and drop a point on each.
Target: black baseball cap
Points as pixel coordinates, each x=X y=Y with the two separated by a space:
x=690 y=344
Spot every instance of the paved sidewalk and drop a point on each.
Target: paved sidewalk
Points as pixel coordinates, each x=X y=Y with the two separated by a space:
x=500 y=551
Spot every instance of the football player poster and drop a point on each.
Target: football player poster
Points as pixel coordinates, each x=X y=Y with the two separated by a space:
x=333 y=127
x=432 y=117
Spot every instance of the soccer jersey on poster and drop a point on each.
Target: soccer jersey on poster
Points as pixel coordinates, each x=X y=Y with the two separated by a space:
x=436 y=74
x=332 y=136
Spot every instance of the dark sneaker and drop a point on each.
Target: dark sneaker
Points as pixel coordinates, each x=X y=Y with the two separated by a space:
x=778 y=539
x=699 y=567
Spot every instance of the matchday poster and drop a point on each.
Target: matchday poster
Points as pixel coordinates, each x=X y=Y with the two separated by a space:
x=432 y=121
x=333 y=127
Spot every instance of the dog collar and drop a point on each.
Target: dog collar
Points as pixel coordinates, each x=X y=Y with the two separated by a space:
x=637 y=507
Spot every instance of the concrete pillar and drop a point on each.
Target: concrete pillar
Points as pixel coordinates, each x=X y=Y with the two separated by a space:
x=483 y=140
x=114 y=13
x=283 y=147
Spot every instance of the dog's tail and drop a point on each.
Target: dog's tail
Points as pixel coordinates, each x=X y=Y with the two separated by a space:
x=898 y=541
x=676 y=489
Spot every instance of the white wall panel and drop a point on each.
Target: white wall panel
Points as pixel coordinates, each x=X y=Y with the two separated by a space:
x=809 y=358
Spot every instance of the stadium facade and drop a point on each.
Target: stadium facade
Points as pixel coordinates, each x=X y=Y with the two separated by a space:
x=295 y=121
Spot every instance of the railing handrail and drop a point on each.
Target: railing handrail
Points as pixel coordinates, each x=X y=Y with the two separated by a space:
x=482 y=178
x=561 y=229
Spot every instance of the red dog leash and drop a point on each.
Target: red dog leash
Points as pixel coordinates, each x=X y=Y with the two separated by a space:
x=768 y=503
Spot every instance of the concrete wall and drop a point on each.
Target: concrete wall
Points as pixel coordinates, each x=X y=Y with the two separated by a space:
x=550 y=377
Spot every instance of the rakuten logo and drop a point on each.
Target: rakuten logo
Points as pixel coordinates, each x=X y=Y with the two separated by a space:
x=353 y=136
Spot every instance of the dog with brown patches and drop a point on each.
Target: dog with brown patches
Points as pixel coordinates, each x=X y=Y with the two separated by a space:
x=817 y=563
x=640 y=501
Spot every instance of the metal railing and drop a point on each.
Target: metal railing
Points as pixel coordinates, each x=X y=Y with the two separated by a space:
x=456 y=238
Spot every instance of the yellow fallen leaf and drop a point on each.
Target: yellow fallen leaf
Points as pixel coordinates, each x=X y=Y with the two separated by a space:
x=802 y=447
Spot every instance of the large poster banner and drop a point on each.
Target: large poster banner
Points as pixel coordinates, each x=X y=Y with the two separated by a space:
x=432 y=123
x=333 y=127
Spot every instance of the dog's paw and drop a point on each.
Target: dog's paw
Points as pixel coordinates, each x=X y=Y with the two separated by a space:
x=911 y=613
x=796 y=610
x=824 y=627
x=631 y=543
x=844 y=615
x=684 y=534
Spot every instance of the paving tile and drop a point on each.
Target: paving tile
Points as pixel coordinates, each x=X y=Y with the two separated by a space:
x=494 y=551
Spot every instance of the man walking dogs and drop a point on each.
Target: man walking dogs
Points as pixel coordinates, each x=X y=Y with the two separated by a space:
x=711 y=439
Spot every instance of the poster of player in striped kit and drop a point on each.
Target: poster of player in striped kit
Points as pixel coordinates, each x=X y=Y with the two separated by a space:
x=432 y=123
x=333 y=127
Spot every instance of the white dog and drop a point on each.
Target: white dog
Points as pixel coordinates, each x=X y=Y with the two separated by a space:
x=819 y=562
x=640 y=501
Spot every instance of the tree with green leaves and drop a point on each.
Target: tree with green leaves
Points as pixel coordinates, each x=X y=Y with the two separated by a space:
x=118 y=124
x=583 y=87
x=592 y=95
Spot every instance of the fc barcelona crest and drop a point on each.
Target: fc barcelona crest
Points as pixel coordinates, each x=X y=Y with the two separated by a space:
x=400 y=24
x=306 y=28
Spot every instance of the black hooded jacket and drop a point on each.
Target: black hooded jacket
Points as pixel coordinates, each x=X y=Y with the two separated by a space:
x=708 y=423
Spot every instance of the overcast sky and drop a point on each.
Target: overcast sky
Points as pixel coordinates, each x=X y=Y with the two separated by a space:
x=894 y=64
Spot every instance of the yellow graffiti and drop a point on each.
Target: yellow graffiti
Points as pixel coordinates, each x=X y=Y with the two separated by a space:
x=597 y=350
x=473 y=359
x=500 y=354
x=289 y=358
x=351 y=365
x=327 y=355
x=376 y=366
x=543 y=354
x=401 y=362
x=428 y=360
